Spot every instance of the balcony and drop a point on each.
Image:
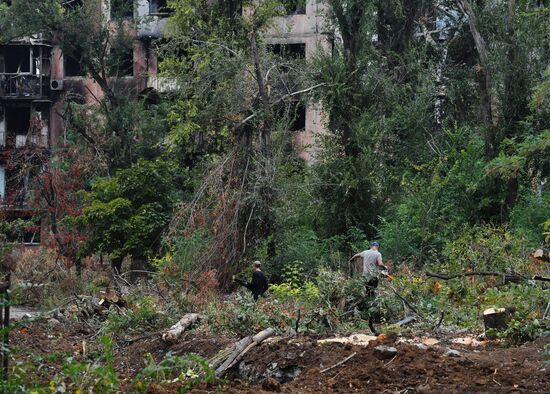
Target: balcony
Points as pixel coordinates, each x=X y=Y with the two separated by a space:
x=10 y=141
x=14 y=86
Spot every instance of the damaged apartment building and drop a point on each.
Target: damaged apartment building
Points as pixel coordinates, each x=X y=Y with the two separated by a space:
x=35 y=78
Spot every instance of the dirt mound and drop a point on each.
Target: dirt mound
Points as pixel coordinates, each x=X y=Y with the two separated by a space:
x=296 y=365
x=413 y=369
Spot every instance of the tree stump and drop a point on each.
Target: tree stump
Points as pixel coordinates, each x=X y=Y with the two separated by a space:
x=495 y=319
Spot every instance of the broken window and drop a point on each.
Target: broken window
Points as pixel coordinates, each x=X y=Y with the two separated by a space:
x=289 y=51
x=159 y=7
x=71 y=5
x=25 y=230
x=17 y=58
x=294 y=7
x=17 y=125
x=297 y=116
x=122 y=9
x=73 y=65
x=122 y=62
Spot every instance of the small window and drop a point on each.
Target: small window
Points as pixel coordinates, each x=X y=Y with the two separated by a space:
x=159 y=7
x=297 y=116
x=122 y=62
x=289 y=51
x=122 y=9
x=294 y=113
x=294 y=7
x=73 y=65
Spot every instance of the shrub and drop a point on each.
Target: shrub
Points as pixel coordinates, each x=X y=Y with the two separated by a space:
x=528 y=217
x=440 y=198
x=99 y=376
x=185 y=371
x=485 y=248
x=143 y=315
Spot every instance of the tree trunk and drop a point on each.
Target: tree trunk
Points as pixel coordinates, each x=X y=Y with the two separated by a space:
x=484 y=79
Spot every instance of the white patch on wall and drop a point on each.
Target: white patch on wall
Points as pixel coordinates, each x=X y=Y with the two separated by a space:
x=2 y=182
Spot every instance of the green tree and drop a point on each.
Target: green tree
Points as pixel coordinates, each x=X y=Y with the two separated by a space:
x=126 y=214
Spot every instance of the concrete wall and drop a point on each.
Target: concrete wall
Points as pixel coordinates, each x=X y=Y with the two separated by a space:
x=311 y=30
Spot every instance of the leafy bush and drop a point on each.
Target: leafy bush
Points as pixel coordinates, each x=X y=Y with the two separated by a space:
x=522 y=330
x=439 y=200
x=98 y=376
x=529 y=216
x=485 y=248
x=143 y=315
x=185 y=371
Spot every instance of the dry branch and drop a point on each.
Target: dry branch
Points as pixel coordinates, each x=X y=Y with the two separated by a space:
x=339 y=363
x=507 y=277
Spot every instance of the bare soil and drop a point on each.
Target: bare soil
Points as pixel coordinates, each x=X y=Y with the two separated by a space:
x=293 y=365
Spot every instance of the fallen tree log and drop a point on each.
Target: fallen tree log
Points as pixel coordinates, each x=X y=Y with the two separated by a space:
x=177 y=329
x=405 y=321
x=516 y=278
x=227 y=358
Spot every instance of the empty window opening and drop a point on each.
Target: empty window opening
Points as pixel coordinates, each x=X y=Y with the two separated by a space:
x=122 y=9
x=73 y=65
x=294 y=115
x=297 y=116
x=294 y=7
x=71 y=5
x=17 y=125
x=25 y=231
x=159 y=7
x=122 y=62
x=289 y=51
x=17 y=59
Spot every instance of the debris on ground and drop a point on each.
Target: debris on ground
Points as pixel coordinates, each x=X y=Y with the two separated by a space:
x=354 y=339
x=295 y=365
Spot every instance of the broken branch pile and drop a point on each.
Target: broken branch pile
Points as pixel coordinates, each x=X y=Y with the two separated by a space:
x=515 y=278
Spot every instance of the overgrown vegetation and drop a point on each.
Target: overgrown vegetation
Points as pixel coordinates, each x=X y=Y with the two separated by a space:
x=436 y=145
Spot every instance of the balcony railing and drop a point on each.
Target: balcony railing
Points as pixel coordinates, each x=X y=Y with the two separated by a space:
x=17 y=85
x=10 y=141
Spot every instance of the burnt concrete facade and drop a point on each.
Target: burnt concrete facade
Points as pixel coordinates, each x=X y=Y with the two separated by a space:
x=305 y=28
x=36 y=77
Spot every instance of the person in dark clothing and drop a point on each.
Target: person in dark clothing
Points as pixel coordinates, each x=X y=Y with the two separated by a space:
x=258 y=286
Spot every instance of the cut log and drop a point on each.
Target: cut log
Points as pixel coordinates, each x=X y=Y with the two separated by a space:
x=495 y=319
x=541 y=254
x=177 y=329
x=239 y=350
x=263 y=335
x=405 y=321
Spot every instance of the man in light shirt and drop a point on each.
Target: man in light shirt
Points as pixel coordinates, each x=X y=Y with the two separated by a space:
x=372 y=264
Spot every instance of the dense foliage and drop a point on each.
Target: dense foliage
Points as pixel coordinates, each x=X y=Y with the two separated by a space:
x=436 y=144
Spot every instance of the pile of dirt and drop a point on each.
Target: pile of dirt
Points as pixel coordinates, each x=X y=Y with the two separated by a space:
x=412 y=369
x=303 y=364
